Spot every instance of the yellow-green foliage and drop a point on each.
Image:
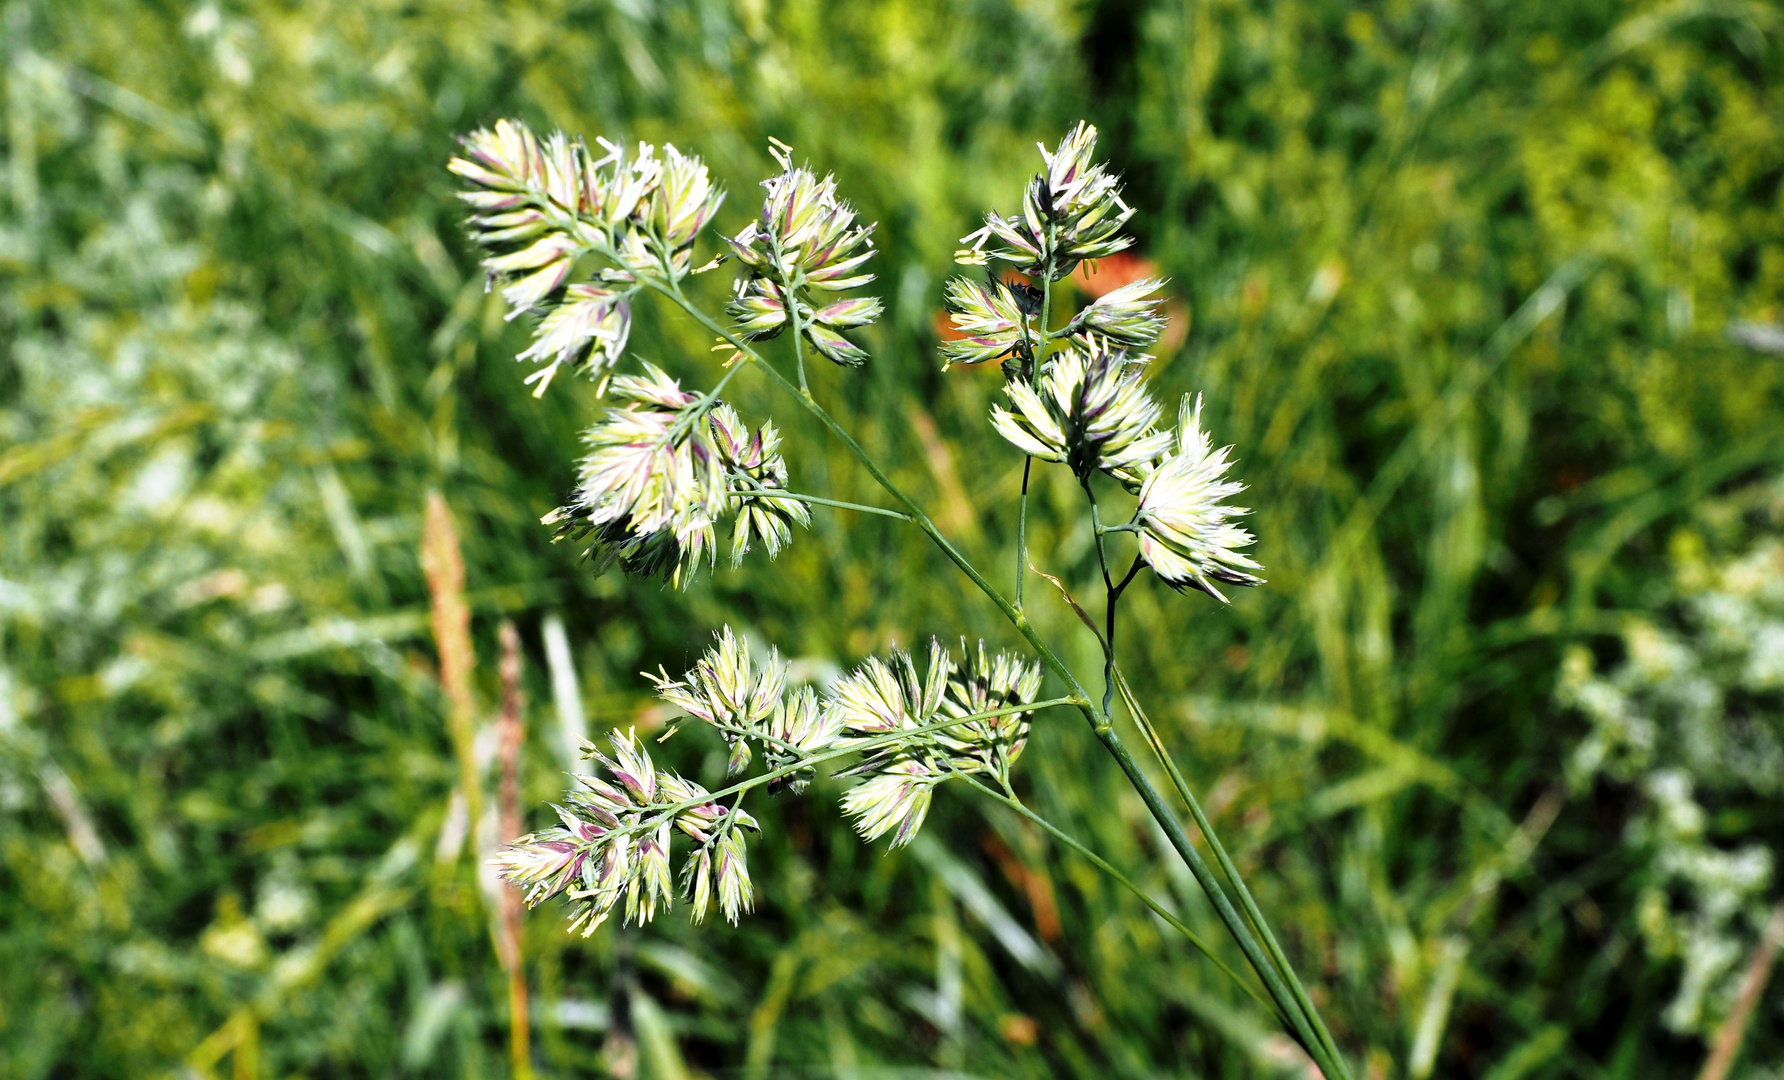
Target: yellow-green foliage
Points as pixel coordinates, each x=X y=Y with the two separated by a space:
x=1456 y=279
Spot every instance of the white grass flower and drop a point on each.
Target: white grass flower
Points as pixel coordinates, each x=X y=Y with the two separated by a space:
x=988 y=682
x=646 y=498
x=806 y=240
x=612 y=841
x=758 y=307
x=1186 y=530
x=684 y=201
x=893 y=800
x=881 y=698
x=1126 y=316
x=755 y=470
x=656 y=480
x=588 y=330
x=540 y=206
x=727 y=690
x=884 y=697
x=800 y=728
x=992 y=317
x=1089 y=409
x=1071 y=211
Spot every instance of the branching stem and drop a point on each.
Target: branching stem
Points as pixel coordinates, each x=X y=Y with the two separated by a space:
x=769 y=493
x=1100 y=721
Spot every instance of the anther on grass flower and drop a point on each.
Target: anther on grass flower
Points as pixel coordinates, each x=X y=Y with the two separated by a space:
x=992 y=317
x=805 y=241
x=1071 y=211
x=726 y=690
x=1089 y=409
x=1186 y=531
x=1126 y=316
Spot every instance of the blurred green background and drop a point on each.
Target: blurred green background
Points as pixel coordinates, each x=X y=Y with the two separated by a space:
x=1483 y=293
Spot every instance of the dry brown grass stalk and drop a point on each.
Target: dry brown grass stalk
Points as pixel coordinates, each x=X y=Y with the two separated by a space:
x=512 y=733
x=444 y=567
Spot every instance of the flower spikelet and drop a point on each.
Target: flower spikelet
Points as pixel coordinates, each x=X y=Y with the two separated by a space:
x=895 y=799
x=1071 y=211
x=526 y=199
x=539 y=206
x=1126 y=316
x=588 y=330
x=684 y=201
x=1089 y=409
x=649 y=492
x=881 y=698
x=720 y=860
x=727 y=690
x=660 y=473
x=993 y=318
x=805 y=241
x=985 y=683
x=612 y=841
x=1186 y=530
x=799 y=728
x=755 y=470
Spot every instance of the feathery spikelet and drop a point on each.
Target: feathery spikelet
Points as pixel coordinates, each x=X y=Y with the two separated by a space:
x=724 y=689
x=1126 y=316
x=647 y=498
x=656 y=481
x=1071 y=211
x=895 y=799
x=1186 y=534
x=799 y=729
x=991 y=744
x=880 y=698
x=805 y=241
x=884 y=697
x=1089 y=409
x=721 y=849
x=608 y=845
x=754 y=471
x=540 y=206
x=588 y=330
x=994 y=319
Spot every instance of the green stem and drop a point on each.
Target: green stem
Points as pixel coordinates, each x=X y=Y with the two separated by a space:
x=691 y=416
x=1252 y=911
x=1122 y=879
x=745 y=733
x=838 y=504
x=1022 y=529
x=790 y=296
x=1099 y=722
